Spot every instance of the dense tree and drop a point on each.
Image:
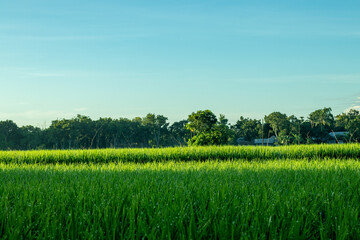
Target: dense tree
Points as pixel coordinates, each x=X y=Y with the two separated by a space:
x=31 y=138
x=104 y=130
x=280 y=124
x=179 y=134
x=9 y=135
x=140 y=135
x=306 y=130
x=322 y=122
x=60 y=134
x=295 y=129
x=224 y=130
x=201 y=121
x=247 y=128
x=322 y=117
x=158 y=127
x=84 y=130
x=207 y=130
x=350 y=121
x=201 y=128
x=77 y=132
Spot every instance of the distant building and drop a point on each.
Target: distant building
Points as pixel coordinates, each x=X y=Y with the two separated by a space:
x=338 y=134
x=242 y=141
x=266 y=141
x=337 y=137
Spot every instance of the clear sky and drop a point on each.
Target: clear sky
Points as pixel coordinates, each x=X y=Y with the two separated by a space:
x=116 y=58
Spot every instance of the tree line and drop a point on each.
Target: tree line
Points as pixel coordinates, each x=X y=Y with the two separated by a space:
x=200 y=128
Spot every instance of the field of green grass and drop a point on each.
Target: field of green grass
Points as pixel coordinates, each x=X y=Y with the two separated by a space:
x=297 y=192
x=143 y=155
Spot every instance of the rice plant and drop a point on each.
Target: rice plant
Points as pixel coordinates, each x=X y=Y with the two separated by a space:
x=275 y=199
x=182 y=154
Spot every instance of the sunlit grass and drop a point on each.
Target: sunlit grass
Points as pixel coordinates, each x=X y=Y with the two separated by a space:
x=273 y=199
x=182 y=154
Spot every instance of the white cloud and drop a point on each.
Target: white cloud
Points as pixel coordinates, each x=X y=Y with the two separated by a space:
x=353 y=107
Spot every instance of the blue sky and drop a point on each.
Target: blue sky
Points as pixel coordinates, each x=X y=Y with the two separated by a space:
x=129 y=58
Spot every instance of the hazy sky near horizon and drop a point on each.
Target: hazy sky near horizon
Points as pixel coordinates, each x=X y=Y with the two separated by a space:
x=129 y=58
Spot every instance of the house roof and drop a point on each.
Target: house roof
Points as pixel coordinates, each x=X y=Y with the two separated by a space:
x=338 y=134
x=270 y=140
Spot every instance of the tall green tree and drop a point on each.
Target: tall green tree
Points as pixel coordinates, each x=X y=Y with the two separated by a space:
x=224 y=130
x=247 y=128
x=280 y=125
x=295 y=129
x=322 y=117
x=351 y=122
x=9 y=135
x=158 y=127
x=31 y=138
x=322 y=122
x=206 y=129
x=59 y=134
x=104 y=129
x=179 y=133
x=201 y=121
x=306 y=132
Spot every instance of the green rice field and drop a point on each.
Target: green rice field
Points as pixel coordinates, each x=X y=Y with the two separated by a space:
x=293 y=192
x=144 y=155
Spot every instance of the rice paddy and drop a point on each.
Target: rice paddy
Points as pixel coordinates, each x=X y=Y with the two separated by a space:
x=143 y=155
x=295 y=192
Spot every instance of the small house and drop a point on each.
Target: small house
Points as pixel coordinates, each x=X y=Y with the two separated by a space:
x=241 y=141
x=266 y=141
x=337 y=137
